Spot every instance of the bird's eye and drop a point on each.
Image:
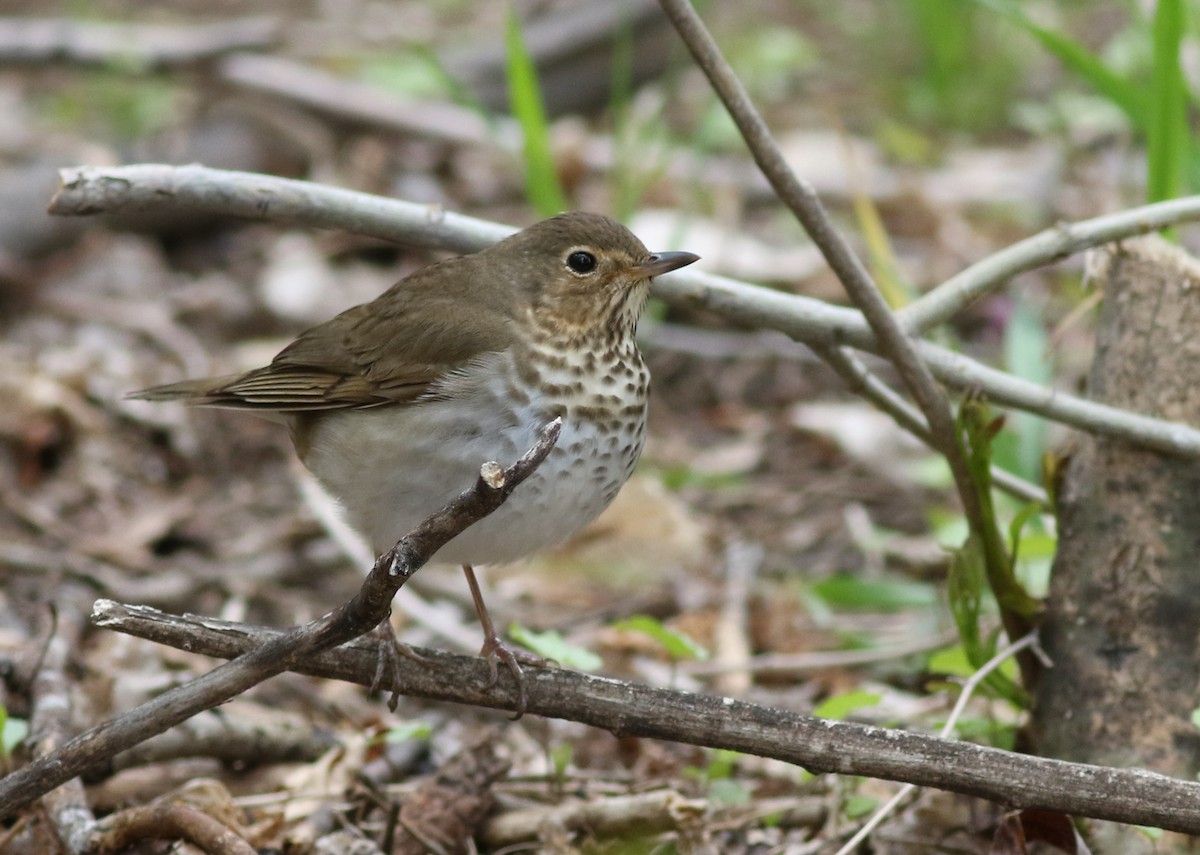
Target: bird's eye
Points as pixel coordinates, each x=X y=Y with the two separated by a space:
x=581 y=262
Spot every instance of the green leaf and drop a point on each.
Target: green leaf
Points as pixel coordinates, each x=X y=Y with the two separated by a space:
x=727 y=791
x=542 y=186
x=413 y=730
x=978 y=427
x=551 y=645
x=851 y=592
x=13 y=732
x=1032 y=551
x=677 y=644
x=837 y=707
x=561 y=756
x=1196 y=716
x=856 y=806
x=1079 y=60
x=1017 y=526
x=952 y=662
x=965 y=588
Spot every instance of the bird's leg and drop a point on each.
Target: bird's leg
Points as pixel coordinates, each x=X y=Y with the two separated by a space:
x=390 y=651
x=494 y=649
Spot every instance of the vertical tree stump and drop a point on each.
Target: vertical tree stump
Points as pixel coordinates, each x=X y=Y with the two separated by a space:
x=1123 y=617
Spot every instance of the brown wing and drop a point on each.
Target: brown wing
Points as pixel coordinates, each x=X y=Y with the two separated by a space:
x=390 y=350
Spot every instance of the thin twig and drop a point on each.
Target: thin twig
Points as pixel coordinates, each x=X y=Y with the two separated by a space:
x=814 y=322
x=285 y=651
x=354 y=549
x=804 y=203
x=858 y=378
x=894 y=343
x=50 y=725
x=1053 y=244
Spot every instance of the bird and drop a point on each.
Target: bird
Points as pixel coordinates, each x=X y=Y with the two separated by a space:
x=393 y=405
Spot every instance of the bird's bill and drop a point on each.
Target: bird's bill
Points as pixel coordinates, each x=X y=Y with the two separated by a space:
x=663 y=262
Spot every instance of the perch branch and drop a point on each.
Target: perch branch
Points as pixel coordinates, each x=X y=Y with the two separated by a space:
x=1018 y=780
x=282 y=652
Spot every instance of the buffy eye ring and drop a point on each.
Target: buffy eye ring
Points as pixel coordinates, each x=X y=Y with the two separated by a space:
x=581 y=262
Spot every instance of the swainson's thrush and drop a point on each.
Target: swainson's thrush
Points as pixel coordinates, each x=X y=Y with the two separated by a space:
x=394 y=404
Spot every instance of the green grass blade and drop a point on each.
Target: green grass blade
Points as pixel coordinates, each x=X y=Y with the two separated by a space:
x=542 y=187
x=942 y=27
x=1078 y=59
x=1167 y=140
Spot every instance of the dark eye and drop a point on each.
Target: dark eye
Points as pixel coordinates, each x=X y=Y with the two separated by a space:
x=581 y=262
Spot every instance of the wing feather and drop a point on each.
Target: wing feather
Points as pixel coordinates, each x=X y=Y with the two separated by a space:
x=389 y=351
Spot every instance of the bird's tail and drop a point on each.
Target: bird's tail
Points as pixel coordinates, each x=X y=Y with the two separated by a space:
x=207 y=392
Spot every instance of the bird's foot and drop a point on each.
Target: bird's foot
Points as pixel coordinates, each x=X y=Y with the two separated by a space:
x=495 y=651
x=389 y=654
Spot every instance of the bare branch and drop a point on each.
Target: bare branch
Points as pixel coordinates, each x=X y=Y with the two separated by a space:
x=858 y=378
x=95 y=190
x=283 y=652
x=50 y=725
x=1056 y=243
x=803 y=201
x=1019 y=780
x=894 y=343
x=146 y=45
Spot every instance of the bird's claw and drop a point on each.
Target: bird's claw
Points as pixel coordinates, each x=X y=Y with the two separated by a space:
x=388 y=655
x=495 y=651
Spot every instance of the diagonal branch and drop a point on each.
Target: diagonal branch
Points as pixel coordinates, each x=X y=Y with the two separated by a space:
x=859 y=379
x=803 y=201
x=1053 y=244
x=285 y=651
x=894 y=343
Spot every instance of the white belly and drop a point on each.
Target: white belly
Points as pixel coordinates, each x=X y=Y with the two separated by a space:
x=393 y=466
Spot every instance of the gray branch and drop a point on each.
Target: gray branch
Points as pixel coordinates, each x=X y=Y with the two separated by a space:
x=1051 y=245
x=96 y=190
x=848 y=748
